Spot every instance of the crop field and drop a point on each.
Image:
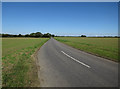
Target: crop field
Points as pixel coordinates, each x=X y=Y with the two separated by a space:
x=104 y=47
x=19 y=65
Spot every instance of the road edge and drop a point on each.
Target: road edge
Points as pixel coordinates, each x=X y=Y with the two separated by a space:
x=37 y=63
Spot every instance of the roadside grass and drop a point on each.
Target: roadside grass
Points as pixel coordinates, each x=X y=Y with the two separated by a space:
x=19 y=67
x=104 y=47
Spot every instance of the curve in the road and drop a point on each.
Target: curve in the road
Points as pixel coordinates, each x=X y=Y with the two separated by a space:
x=64 y=66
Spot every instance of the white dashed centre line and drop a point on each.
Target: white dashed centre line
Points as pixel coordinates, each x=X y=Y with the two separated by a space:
x=75 y=59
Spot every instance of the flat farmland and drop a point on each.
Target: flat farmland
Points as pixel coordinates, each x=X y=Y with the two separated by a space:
x=19 y=65
x=104 y=47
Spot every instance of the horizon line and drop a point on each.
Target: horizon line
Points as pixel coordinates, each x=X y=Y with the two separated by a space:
x=61 y=35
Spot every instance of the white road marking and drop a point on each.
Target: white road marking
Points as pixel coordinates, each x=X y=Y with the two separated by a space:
x=76 y=60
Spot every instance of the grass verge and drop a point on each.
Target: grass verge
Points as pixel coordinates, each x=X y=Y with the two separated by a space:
x=103 y=47
x=19 y=65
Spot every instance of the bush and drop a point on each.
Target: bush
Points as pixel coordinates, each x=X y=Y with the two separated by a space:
x=83 y=35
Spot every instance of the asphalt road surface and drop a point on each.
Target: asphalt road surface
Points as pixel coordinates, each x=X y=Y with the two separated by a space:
x=64 y=66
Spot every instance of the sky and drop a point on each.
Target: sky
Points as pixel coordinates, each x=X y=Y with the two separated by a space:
x=60 y=18
x=60 y=0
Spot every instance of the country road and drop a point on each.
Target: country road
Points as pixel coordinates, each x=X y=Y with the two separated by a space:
x=64 y=66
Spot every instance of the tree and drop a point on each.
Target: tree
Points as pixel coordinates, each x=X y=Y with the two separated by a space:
x=19 y=35
x=38 y=34
x=53 y=35
x=83 y=35
x=27 y=35
x=0 y=35
x=47 y=35
x=32 y=35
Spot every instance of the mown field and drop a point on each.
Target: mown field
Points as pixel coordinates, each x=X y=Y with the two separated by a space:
x=104 y=47
x=19 y=65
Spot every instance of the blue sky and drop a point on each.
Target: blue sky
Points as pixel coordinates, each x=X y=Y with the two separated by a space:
x=60 y=18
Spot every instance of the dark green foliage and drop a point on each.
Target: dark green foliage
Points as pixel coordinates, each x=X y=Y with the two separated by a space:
x=47 y=35
x=83 y=35
x=37 y=34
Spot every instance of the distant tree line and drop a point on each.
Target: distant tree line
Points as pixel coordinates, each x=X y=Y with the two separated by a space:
x=48 y=35
x=73 y=36
x=92 y=36
x=37 y=34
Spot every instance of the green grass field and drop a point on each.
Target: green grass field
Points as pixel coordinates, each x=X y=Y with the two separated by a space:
x=19 y=65
x=104 y=47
